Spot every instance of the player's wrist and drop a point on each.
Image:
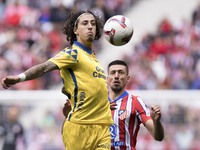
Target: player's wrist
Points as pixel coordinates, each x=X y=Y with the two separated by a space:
x=22 y=77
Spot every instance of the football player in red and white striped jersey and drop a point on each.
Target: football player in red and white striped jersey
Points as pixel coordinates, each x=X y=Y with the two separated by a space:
x=129 y=111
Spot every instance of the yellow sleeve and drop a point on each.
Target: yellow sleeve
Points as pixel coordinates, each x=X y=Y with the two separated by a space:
x=65 y=58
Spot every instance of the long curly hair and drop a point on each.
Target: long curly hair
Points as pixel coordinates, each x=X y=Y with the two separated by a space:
x=68 y=28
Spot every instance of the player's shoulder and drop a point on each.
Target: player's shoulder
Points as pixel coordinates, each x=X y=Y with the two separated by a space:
x=135 y=97
x=131 y=95
x=69 y=50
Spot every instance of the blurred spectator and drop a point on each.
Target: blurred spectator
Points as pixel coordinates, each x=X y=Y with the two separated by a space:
x=14 y=13
x=196 y=16
x=165 y=27
x=12 y=130
x=2 y=9
x=45 y=15
x=58 y=14
x=102 y=10
x=184 y=137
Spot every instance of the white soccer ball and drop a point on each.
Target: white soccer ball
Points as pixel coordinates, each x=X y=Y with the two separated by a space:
x=118 y=30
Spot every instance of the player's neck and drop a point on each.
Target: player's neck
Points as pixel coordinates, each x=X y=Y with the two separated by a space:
x=114 y=95
x=87 y=44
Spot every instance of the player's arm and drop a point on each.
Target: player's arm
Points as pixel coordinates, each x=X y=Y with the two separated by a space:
x=30 y=74
x=154 y=125
x=67 y=105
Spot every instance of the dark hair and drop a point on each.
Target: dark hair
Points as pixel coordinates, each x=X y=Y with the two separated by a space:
x=119 y=62
x=68 y=28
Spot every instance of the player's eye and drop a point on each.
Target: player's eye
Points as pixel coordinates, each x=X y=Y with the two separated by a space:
x=112 y=72
x=84 y=22
x=121 y=72
x=93 y=23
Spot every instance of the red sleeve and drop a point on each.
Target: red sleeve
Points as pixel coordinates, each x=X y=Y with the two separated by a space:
x=142 y=110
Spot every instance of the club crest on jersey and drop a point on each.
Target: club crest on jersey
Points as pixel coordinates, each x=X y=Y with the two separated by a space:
x=122 y=114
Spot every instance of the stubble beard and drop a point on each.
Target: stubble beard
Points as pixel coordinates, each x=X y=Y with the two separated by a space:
x=116 y=89
x=90 y=39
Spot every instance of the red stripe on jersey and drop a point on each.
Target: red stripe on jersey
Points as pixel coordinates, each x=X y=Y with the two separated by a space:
x=133 y=130
x=133 y=124
x=112 y=112
x=141 y=117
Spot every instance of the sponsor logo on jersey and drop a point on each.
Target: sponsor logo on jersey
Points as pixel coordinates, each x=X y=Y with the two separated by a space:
x=117 y=143
x=113 y=131
x=99 y=73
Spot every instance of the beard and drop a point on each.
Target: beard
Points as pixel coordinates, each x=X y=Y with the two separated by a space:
x=116 y=89
x=90 y=39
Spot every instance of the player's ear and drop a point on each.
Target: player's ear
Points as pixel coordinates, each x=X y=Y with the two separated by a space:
x=76 y=30
x=128 y=78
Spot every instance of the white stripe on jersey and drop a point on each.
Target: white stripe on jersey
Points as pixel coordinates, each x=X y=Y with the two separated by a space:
x=116 y=121
x=144 y=106
x=127 y=120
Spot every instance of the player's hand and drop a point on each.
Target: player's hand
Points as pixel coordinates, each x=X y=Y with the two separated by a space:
x=66 y=108
x=155 y=113
x=113 y=105
x=9 y=80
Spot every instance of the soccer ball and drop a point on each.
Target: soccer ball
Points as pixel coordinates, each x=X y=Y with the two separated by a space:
x=118 y=30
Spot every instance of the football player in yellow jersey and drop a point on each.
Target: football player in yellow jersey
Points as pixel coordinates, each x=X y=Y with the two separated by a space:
x=87 y=125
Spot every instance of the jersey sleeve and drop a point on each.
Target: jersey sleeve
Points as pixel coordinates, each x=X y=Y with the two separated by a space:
x=142 y=110
x=65 y=58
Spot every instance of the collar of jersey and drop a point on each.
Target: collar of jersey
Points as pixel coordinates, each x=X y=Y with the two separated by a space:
x=83 y=47
x=121 y=96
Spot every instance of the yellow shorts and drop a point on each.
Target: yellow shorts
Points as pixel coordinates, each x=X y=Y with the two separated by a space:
x=86 y=137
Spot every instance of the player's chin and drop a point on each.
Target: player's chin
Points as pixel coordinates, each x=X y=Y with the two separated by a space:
x=90 y=38
x=116 y=88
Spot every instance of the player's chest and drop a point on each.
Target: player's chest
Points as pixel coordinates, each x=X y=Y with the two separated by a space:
x=123 y=111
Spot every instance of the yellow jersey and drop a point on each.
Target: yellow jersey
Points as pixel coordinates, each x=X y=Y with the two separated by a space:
x=85 y=82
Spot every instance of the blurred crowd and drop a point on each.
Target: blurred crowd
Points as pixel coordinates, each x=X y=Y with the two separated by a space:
x=31 y=32
x=182 y=131
x=181 y=123
x=168 y=58
x=43 y=134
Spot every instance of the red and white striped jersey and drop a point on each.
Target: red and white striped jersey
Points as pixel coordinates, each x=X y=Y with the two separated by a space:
x=131 y=111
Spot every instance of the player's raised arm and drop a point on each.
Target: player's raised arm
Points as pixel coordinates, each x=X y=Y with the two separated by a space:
x=32 y=73
x=154 y=125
